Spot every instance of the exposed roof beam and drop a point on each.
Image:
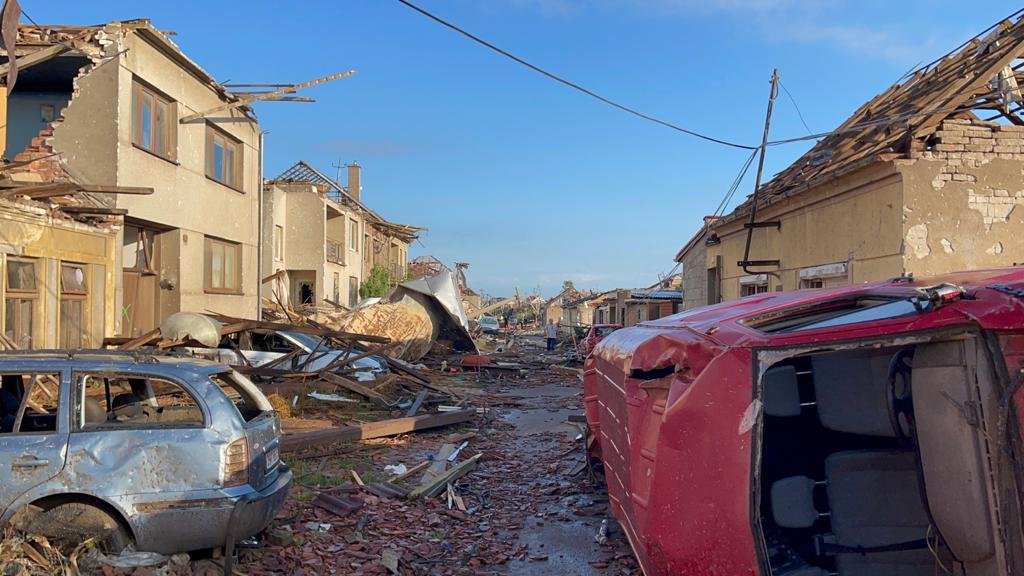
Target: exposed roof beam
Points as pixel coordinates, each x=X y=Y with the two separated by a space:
x=249 y=99
x=37 y=57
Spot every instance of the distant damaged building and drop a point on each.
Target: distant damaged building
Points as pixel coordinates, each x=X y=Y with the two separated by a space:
x=321 y=241
x=119 y=105
x=923 y=179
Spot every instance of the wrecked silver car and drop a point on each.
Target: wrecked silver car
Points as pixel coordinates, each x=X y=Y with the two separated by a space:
x=173 y=454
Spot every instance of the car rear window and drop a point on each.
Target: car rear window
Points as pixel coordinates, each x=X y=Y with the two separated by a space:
x=246 y=397
x=837 y=313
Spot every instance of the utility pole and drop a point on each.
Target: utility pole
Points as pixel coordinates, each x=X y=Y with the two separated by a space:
x=746 y=262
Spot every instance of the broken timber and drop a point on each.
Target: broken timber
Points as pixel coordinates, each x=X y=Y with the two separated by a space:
x=250 y=98
x=435 y=486
x=295 y=442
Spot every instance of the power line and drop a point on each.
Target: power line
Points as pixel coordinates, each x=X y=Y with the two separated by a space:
x=573 y=85
x=735 y=184
x=795 y=105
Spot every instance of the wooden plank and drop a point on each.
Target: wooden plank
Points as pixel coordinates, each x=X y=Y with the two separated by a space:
x=440 y=463
x=438 y=484
x=411 y=471
x=382 y=429
x=353 y=386
x=141 y=341
x=417 y=403
x=40 y=190
x=95 y=210
x=128 y=190
x=323 y=332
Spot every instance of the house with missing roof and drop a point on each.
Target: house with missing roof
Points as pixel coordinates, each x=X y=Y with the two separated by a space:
x=923 y=179
x=321 y=241
x=119 y=105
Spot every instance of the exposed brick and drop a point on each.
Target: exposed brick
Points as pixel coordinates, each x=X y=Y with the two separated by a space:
x=964 y=178
x=957 y=121
x=949 y=147
x=955 y=140
x=1006 y=149
x=980 y=148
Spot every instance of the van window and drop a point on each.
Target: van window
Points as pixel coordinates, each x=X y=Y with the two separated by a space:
x=28 y=403
x=135 y=401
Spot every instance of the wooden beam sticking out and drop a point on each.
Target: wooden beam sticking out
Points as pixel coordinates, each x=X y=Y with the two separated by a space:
x=245 y=100
x=40 y=190
x=100 y=189
x=384 y=428
x=95 y=210
x=440 y=482
x=37 y=57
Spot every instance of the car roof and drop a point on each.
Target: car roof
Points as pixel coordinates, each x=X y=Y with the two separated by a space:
x=101 y=359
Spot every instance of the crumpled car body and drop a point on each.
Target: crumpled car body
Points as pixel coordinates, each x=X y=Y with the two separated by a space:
x=871 y=429
x=176 y=451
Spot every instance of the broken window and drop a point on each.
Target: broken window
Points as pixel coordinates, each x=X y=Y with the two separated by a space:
x=223 y=266
x=839 y=313
x=20 y=301
x=154 y=121
x=73 y=294
x=123 y=400
x=241 y=392
x=28 y=403
x=353 y=291
x=223 y=158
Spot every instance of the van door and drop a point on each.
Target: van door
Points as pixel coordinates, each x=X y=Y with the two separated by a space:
x=33 y=432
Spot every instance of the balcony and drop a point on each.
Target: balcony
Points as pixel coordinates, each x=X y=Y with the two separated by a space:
x=335 y=252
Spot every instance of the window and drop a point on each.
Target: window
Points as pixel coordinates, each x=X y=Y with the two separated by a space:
x=223 y=266
x=20 y=301
x=337 y=287
x=73 y=294
x=134 y=401
x=353 y=291
x=28 y=403
x=812 y=283
x=223 y=158
x=825 y=275
x=154 y=122
x=278 y=243
x=353 y=235
x=751 y=289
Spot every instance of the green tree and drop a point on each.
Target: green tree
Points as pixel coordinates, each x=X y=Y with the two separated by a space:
x=568 y=285
x=377 y=285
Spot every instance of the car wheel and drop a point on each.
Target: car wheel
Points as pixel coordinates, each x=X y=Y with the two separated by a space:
x=72 y=523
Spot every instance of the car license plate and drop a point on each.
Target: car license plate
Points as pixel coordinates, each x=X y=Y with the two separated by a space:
x=273 y=456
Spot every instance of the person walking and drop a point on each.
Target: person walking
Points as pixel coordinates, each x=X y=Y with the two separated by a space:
x=551 y=331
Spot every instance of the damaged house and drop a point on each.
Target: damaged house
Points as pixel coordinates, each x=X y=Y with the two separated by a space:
x=923 y=179
x=321 y=241
x=120 y=105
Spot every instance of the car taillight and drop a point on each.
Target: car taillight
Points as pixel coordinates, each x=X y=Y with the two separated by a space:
x=236 y=463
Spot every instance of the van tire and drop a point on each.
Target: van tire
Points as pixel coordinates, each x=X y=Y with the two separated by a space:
x=72 y=523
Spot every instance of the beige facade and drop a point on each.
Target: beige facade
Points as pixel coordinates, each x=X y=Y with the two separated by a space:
x=939 y=211
x=58 y=278
x=192 y=244
x=314 y=245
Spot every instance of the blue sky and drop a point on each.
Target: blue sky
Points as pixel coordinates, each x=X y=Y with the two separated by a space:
x=528 y=181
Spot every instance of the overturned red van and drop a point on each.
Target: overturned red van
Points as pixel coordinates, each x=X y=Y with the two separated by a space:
x=867 y=430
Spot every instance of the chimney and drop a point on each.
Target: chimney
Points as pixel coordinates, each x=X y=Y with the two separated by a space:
x=355 y=186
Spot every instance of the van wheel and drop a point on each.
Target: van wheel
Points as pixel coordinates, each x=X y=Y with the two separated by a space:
x=72 y=523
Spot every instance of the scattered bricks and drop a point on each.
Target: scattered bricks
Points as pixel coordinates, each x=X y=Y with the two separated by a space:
x=949 y=147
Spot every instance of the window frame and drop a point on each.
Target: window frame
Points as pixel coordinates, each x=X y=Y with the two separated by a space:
x=81 y=296
x=234 y=179
x=19 y=418
x=209 y=245
x=33 y=297
x=78 y=402
x=353 y=233
x=278 y=243
x=167 y=135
